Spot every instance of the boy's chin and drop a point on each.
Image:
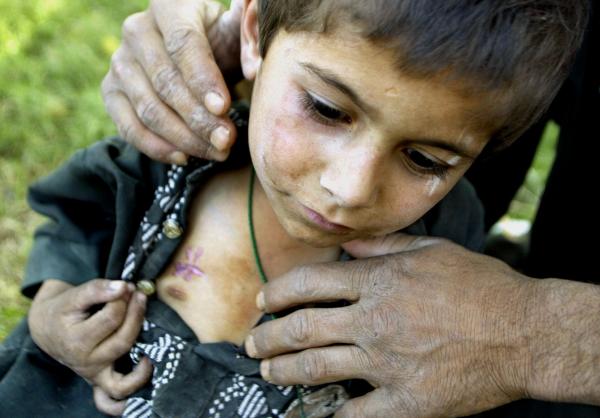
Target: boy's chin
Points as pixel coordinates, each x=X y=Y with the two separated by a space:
x=319 y=239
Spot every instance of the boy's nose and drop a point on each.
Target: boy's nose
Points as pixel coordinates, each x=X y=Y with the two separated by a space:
x=353 y=178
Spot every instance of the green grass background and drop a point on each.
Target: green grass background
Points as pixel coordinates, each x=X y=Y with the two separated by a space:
x=53 y=55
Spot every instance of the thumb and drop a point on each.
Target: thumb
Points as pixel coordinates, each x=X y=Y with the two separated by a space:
x=388 y=244
x=95 y=292
x=370 y=405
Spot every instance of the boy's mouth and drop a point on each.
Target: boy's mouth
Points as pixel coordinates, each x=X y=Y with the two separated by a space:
x=324 y=223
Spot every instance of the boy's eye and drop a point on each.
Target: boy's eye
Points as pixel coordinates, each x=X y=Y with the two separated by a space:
x=424 y=164
x=324 y=112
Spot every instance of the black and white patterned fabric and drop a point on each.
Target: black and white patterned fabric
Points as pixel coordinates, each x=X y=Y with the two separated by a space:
x=214 y=380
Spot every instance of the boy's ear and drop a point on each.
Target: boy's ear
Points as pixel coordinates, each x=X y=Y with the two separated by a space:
x=250 y=52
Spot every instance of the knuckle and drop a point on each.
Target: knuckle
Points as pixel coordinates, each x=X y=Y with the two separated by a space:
x=377 y=277
x=177 y=42
x=118 y=66
x=132 y=25
x=313 y=366
x=148 y=111
x=303 y=285
x=202 y=122
x=108 y=86
x=378 y=322
x=164 y=81
x=129 y=133
x=366 y=273
x=300 y=328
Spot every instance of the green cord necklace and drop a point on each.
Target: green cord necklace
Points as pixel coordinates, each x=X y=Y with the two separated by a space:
x=261 y=272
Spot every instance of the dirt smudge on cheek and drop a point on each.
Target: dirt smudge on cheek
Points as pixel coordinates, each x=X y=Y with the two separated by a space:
x=284 y=157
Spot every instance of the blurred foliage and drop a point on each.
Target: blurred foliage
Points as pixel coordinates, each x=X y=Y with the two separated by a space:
x=53 y=55
x=526 y=202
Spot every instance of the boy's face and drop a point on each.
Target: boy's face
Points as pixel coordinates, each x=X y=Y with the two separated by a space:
x=347 y=147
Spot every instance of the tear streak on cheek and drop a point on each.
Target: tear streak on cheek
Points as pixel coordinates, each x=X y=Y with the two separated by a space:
x=455 y=160
x=433 y=185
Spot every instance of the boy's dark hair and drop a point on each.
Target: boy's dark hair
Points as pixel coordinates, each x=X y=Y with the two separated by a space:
x=517 y=51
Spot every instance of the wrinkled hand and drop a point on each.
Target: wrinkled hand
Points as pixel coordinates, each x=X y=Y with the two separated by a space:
x=435 y=329
x=61 y=324
x=164 y=90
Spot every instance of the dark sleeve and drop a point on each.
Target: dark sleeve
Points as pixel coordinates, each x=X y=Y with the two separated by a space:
x=95 y=203
x=459 y=217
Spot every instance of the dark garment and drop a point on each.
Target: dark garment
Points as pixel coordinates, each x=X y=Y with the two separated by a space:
x=567 y=224
x=102 y=227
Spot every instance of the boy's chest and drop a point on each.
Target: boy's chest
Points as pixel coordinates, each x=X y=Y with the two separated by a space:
x=212 y=281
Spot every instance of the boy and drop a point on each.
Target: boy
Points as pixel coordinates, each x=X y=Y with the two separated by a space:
x=361 y=122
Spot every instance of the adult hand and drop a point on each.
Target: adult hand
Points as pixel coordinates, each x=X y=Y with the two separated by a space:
x=89 y=343
x=164 y=90
x=435 y=329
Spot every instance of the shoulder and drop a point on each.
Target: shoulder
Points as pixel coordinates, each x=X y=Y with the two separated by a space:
x=104 y=167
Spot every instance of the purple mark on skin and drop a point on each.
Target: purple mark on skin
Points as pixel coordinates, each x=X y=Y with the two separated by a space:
x=189 y=269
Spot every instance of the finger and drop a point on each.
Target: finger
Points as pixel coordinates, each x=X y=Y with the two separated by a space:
x=81 y=298
x=388 y=244
x=190 y=49
x=104 y=322
x=316 y=366
x=120 y=386
x=314 y=283
x=302 y=329
x=171 y=88
x=377 y=403
x=155 y=115
x=133 y=131
x=106 y=405
x=123 y=339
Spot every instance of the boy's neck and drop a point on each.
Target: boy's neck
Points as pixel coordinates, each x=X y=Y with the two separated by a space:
x=278 y=251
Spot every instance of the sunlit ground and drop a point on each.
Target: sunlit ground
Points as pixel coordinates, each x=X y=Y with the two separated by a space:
x=53 y=55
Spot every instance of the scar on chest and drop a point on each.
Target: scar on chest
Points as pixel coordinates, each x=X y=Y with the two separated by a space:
x=190 y=267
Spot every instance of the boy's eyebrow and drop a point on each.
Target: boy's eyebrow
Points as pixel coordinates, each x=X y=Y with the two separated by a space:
x=333 y=80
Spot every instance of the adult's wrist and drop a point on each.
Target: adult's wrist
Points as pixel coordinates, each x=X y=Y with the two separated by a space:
x=509 y=317
x=565 y=342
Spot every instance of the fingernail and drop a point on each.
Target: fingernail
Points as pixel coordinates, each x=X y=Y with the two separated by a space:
x=116 y=285
x=260 y=301
x=178 y=158
x=214 y=103
x=219 y=138
x=265 y=371
x=250 y=346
